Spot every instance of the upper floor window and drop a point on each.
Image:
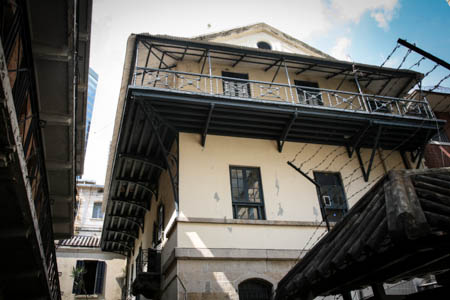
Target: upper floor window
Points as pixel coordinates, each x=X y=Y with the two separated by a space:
x=333 y=195
x=264 y=45
x=159 y=225
x=88 y=277
x=246 y=193
x=306 y=95
x=236 y=88
x=255 y=289
x=97 y=210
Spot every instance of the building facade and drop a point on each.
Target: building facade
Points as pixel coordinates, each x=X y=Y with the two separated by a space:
x=44 y=57
x=232 y=153
x=103 y=273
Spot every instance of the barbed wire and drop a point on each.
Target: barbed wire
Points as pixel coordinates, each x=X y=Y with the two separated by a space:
x=439 y=83
x=323 y=160
x=314 y=154
x=404 y=58
x=390 y=55
x=417 y=63
x=429 y=72
x=301 y=150
x=309 y=240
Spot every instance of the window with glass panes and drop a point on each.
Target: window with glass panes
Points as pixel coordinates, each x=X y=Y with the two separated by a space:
x=333 y=195
x=97 y=210
x=246 y=193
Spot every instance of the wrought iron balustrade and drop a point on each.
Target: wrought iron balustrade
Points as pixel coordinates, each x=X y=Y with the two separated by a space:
x=268 y=91
x=17 y=66
x=148 y=261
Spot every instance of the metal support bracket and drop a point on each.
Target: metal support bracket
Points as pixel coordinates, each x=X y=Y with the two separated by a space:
x=405 y=160
x=135 y=221
x=132 y=236
x=132 y=203
x=140 y=184
x=143 y=159
x=151 y=117
x=208 y=121
x=285 y=132
x=357 y=139
x=366 y=173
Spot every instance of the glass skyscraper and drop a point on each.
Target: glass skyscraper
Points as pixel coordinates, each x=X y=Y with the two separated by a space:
x=92 y=88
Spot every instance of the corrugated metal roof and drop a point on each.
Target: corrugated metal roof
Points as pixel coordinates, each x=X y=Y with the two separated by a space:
x=81 y=241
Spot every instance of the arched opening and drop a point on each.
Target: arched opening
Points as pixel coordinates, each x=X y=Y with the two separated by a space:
x=264 y=45
x=255 y=289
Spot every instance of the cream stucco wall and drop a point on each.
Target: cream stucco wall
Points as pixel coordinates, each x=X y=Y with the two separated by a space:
x=114 y=272
x=250 y=39
x=205 y=190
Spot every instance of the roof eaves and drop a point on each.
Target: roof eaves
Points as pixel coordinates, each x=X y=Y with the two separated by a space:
x=272 y=53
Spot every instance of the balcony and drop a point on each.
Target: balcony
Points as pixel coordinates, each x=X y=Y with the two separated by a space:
x=148 y=274
x=269 y=92
x=209 y=104
x=161 y=77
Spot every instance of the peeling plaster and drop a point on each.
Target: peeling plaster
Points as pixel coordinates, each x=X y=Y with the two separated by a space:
x=280 y=210
x=315 y=212
x=277 y=185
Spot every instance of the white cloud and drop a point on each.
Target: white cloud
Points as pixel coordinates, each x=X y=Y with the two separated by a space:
x=341 y=49
x=382 y=11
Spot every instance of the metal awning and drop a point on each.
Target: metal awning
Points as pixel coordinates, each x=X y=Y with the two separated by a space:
x=397 y=230
x=60 y=47
x=374 y=79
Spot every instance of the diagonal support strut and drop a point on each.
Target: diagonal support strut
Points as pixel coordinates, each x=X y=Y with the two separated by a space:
x=285 y=132
x=366 y=173
x=208 y=121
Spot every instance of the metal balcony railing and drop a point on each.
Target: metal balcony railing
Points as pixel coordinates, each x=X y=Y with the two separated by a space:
x=148 y=261
x=16 y=56
x=270 y=92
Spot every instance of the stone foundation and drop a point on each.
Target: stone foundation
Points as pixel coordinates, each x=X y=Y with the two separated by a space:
x=206 y=279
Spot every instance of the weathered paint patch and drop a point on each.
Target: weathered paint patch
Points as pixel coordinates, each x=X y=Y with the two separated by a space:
x=280 y=210
x=277 y=185
x=216 y=197
x=230 y=229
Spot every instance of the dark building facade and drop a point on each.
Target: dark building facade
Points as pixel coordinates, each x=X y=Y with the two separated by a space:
x=44 y=58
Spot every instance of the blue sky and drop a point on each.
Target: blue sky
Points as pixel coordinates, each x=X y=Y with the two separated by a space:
x=425 y=23
x=364 y=31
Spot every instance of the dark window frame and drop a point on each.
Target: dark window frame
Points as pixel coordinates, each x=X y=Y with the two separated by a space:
x=316 y=96
x=255 y=288
x=96 y=287
x=330 y=208
x=237 y=86
x=160 y=222
x=93 y=210
x=236 y=204
x=155 y=242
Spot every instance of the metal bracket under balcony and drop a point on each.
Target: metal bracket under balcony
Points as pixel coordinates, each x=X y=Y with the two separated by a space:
x=143 y=159
x=138 y=183
x=283 y=121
